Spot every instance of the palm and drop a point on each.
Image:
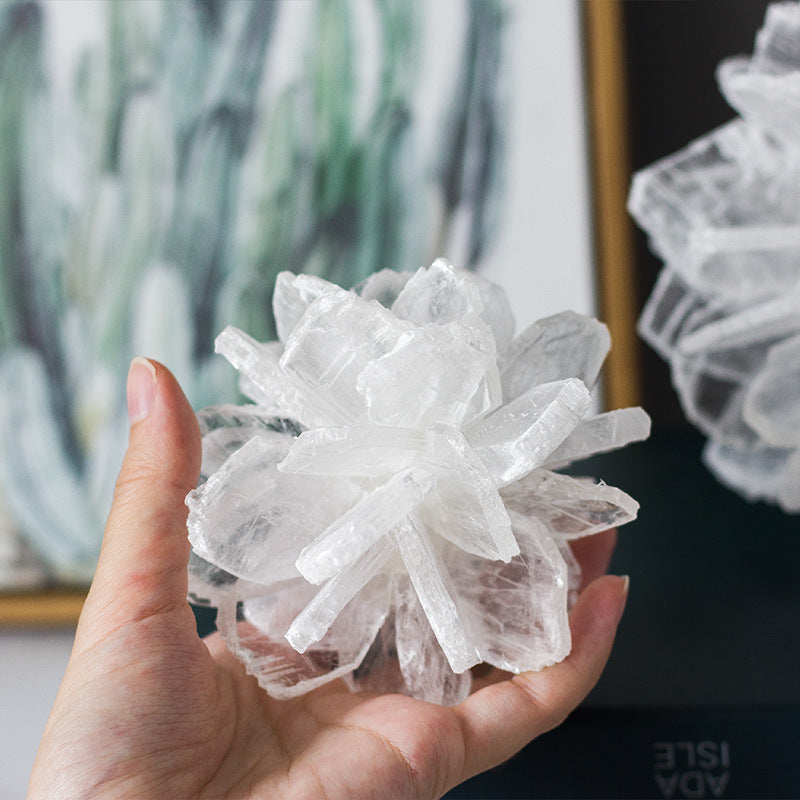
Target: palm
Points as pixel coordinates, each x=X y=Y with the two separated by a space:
x=191 y=722
x=334 y=744
x=148 y=710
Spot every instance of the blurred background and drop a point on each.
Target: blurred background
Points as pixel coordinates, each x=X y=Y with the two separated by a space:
x=160 y=162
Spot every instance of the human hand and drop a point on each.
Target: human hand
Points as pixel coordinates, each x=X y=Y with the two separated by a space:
x=148 y=710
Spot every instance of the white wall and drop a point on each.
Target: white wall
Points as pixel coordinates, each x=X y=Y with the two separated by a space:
x=31 y=666
x=548 y=147
x=544 y=259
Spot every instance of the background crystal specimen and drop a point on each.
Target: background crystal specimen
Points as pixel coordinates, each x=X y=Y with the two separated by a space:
x=387 y=511
x=724 y=214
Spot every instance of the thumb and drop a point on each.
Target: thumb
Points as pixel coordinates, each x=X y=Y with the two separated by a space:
x=142 y=566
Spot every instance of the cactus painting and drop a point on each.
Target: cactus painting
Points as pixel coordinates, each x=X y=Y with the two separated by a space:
x=161 y=161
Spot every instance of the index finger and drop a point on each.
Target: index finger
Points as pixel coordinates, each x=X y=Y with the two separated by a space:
x=594 y=554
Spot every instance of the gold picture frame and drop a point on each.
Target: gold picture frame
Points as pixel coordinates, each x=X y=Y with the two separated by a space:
x=41 y=608
x=615 y=269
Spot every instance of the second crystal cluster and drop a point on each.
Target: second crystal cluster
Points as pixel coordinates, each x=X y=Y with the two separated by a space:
x=724 y=214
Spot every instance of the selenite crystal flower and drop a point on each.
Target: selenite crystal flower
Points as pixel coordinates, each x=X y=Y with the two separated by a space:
x=387 y=511
x=724 y=213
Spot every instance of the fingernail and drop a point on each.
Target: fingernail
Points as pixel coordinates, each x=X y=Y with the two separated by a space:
x=626 y=583
x=141 y=389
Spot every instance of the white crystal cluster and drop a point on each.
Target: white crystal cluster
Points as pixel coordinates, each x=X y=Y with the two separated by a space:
x=724 y=214
x=387 y=511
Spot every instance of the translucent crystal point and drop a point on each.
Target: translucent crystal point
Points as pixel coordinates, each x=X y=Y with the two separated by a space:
x=423 y=664
x=369 y=520
x=266 y=515
x=293 y=295
x=255 y=630
x=427 y=577
x=772 y=404
x=435 y=368
x=561 y=346
x=600 y=434
x=227 y=428
x=315 y=620
x=568 y=507
x=383 y=286
x=375 y=451
x=520 y=436
x=439 y=294
x=516 y=613
x=465 y=507
x=336 y=339
x=764 y=89
x=260 y=365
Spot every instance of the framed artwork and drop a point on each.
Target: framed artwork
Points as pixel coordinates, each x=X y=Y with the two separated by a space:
x=161 y=162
